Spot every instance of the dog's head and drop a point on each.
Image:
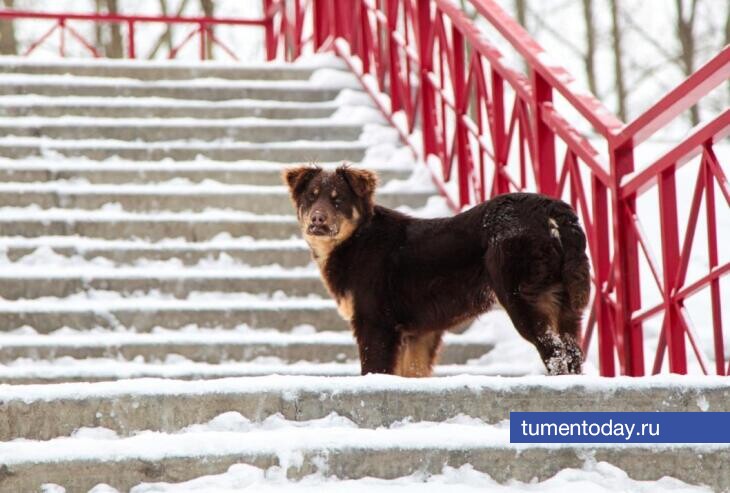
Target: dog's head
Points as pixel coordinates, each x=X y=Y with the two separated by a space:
x=331 y=204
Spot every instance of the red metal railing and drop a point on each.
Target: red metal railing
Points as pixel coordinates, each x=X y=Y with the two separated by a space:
x=487 y=128
x=281 y=28
x=494 y=129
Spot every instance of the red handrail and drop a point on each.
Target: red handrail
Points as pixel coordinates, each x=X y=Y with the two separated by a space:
x=282 y=36
x=493 y=130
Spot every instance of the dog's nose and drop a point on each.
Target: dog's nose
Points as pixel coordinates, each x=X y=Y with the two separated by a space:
x=318 y=218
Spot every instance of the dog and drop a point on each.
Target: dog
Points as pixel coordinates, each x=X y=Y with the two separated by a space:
x=401 y=282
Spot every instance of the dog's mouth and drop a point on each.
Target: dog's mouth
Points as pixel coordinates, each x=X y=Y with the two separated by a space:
x=321 y=230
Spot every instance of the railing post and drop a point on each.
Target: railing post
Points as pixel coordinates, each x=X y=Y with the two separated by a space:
x=391 y=12
x=320 y=21
x=425 y=59
x=462 y=150
x=544 y=136
x=626 y=266
x=269 y=35
x=499 y=134
x=131 y=48
x=62 y=34
x=602 y=268
x=676 y=349
x=202 y=31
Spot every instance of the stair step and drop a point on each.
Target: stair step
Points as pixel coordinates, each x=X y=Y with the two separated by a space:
x=286 y=253
x=286 y=152
x=140 y=172
x=343 y=455
x=218 y=310
x=172 y=197
x=41 y=413
x=158 y=129
x=115 y=224
x=208 y=89
x=66 y=370
x=379 y=440
x=26 y=282
x=213 y=347
x=163 y=70
x=152 y=107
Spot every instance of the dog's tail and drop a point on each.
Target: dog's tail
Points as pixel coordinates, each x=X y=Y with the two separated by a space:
x=576 y=269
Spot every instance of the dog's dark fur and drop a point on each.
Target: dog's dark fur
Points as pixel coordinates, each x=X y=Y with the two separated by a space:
x=403 y=281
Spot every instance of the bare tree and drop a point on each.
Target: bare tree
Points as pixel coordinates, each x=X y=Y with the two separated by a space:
x=114 y=48
x=521 y=10
x=616 y=35
x=8 y=42
x=590 y=55
x=208 y=10
x=166 y=38
x=685 y=33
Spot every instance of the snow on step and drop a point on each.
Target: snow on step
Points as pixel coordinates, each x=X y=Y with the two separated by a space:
x=290 y=152
x=158 y=129
x=210 y=89
x=61 y=409
x=172 y=196
x=183 y=172
x=343 y=427
x=211 y=346
x=68 y=250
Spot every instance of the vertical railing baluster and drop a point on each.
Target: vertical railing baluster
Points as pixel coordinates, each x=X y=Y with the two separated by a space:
x=626 y=266
x=460 y=96
x=676 y=349
x=425 y=59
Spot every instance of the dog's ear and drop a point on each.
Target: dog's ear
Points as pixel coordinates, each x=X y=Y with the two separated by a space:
x=298 y=178
x=363 y=182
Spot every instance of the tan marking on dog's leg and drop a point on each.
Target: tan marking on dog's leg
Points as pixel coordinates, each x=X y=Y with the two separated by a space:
x=417 y=355
x=346 y=306
x=548 y=303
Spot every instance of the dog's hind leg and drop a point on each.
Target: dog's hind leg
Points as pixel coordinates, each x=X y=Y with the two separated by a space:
x=417 y=354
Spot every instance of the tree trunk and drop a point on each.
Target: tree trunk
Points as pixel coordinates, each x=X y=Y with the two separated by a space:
x=208 y=11
x=521 y=11
x=685 y=33
x=8 y=42
x=114 y=48
x=590 y=56
x=617 y=61
x=166 y=38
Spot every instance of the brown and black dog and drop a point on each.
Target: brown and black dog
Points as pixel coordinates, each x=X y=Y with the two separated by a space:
x=402 y=281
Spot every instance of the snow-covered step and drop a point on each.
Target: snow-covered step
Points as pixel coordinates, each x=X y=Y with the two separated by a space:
x=165 y=70
x=154 y=107
x=173 y=196
x=68 y=249
x=347 y=428
x=43 y=412
x=140 y=172
x=208 y=89
x=211 y=346
x=67 y=370
x=144 y=314
x=343 y=453
x=113 y=223
x=49 y=281
x=171 y=129
x=287 y=152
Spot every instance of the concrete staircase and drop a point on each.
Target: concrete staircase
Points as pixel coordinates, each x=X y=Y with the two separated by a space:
x=144 y=233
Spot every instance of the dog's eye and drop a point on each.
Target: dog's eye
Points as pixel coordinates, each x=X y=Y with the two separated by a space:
x=337 y=203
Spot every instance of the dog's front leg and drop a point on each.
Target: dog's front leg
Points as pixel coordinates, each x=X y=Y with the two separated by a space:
x=378 y=347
